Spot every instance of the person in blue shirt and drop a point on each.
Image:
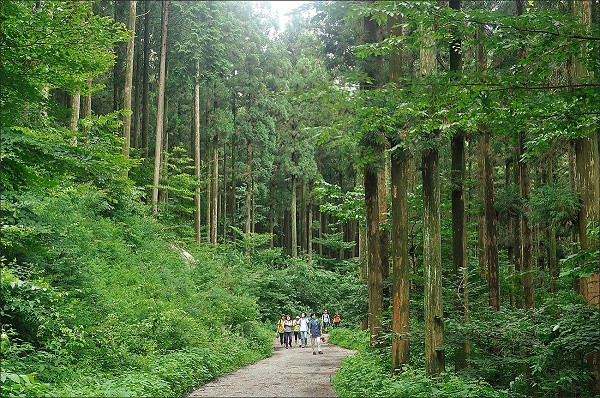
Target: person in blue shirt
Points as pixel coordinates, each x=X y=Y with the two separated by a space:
x=315 y=333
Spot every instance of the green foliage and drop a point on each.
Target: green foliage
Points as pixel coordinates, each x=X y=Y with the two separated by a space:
x=102 y=305
x=300 y=286
x=583 y=262
x=346 y=206
x=349 y=338
x=508 y=200
x=550 y=343
x=49 y=45
x=554 y=204
x=366 y=374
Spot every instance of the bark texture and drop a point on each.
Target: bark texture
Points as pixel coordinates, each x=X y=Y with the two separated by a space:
x=161 y=106
x=432 y=261
x=129 y=53
x=373 y=255
x=197 y=168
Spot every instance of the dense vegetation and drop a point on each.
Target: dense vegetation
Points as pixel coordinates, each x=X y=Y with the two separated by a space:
x=174 y=174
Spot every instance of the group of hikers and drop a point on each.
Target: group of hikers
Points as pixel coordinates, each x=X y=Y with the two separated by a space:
x=301 y=327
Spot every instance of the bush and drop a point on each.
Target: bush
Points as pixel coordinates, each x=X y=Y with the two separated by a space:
x=106 y=306
x=366 y=374
x=349 y=338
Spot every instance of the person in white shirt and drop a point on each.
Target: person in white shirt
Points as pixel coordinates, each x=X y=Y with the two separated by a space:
x=303 y=327
x=325 y=319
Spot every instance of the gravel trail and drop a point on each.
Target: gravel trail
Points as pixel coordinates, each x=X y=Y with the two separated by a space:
x=286 y=373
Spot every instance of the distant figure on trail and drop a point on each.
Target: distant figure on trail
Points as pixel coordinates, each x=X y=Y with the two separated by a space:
x=288 y=326
x=281 y=329
x=303 y=327
x=336 y=320
x=325 y=318
x=315 y=333
x=296 y=330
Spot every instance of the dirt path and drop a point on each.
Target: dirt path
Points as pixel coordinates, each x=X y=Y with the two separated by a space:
x=287 y=373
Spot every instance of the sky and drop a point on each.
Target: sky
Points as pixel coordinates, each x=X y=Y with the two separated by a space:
x=283 y=7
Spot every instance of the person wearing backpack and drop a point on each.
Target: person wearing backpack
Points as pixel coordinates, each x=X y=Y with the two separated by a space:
x=325 y=319
x=281 y=329
x=296 y=330
x=288 y=326
x=303 y=326
x=315 y=333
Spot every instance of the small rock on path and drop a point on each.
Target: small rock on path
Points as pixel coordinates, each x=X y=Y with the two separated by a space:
x=286 y=373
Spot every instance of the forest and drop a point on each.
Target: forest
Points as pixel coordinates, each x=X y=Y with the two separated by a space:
x=176 y=174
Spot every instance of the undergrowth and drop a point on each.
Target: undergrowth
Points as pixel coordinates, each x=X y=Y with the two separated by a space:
x=366 y=374
x=101 y=303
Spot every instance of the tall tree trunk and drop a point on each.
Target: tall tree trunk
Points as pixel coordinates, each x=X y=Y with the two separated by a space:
x=309 y=228
x=208 y=163
x=164 y=195
x=341 y=230
x=527 y=244
x=248 y=225
x=215 y=189
x=374 y=263
x=586 y=166
x=586 y=155
x=197 y=166
x=138 y=56
x=233 y=185
x=146 y=80
x=459 y=228
x=518 y=240
x=363 y=271
x=161 y=105
x=304 y=215
x=432 y=238
x=86 y=104
x=481 y=222
x=293 y=215
x=400 y=176
x=320 y=235
x=74 y=120
x=491 y=231
x=382 y=202
x=374 y=183
x=253 y=208
x=432 y=264
x=509 y=230
x=400 y=171
x=128 y=82
x=225 y=192
x=459 y=238
x=117 y=67
x=75 y=107
x=272 y=230
x=551 y=236
x=588 y=180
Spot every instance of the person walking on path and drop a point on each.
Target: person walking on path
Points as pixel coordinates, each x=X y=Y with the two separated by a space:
x=296 y=330
x=281 y=329
x=303 y=328
x=288 y=326
x=315 y=333
x=325 y=319
x=336 y=320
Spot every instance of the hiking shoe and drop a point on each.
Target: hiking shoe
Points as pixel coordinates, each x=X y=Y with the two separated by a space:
x=314 y=353
x=320 y=352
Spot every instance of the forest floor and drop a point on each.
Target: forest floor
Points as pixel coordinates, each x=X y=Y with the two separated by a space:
x=293 y=373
